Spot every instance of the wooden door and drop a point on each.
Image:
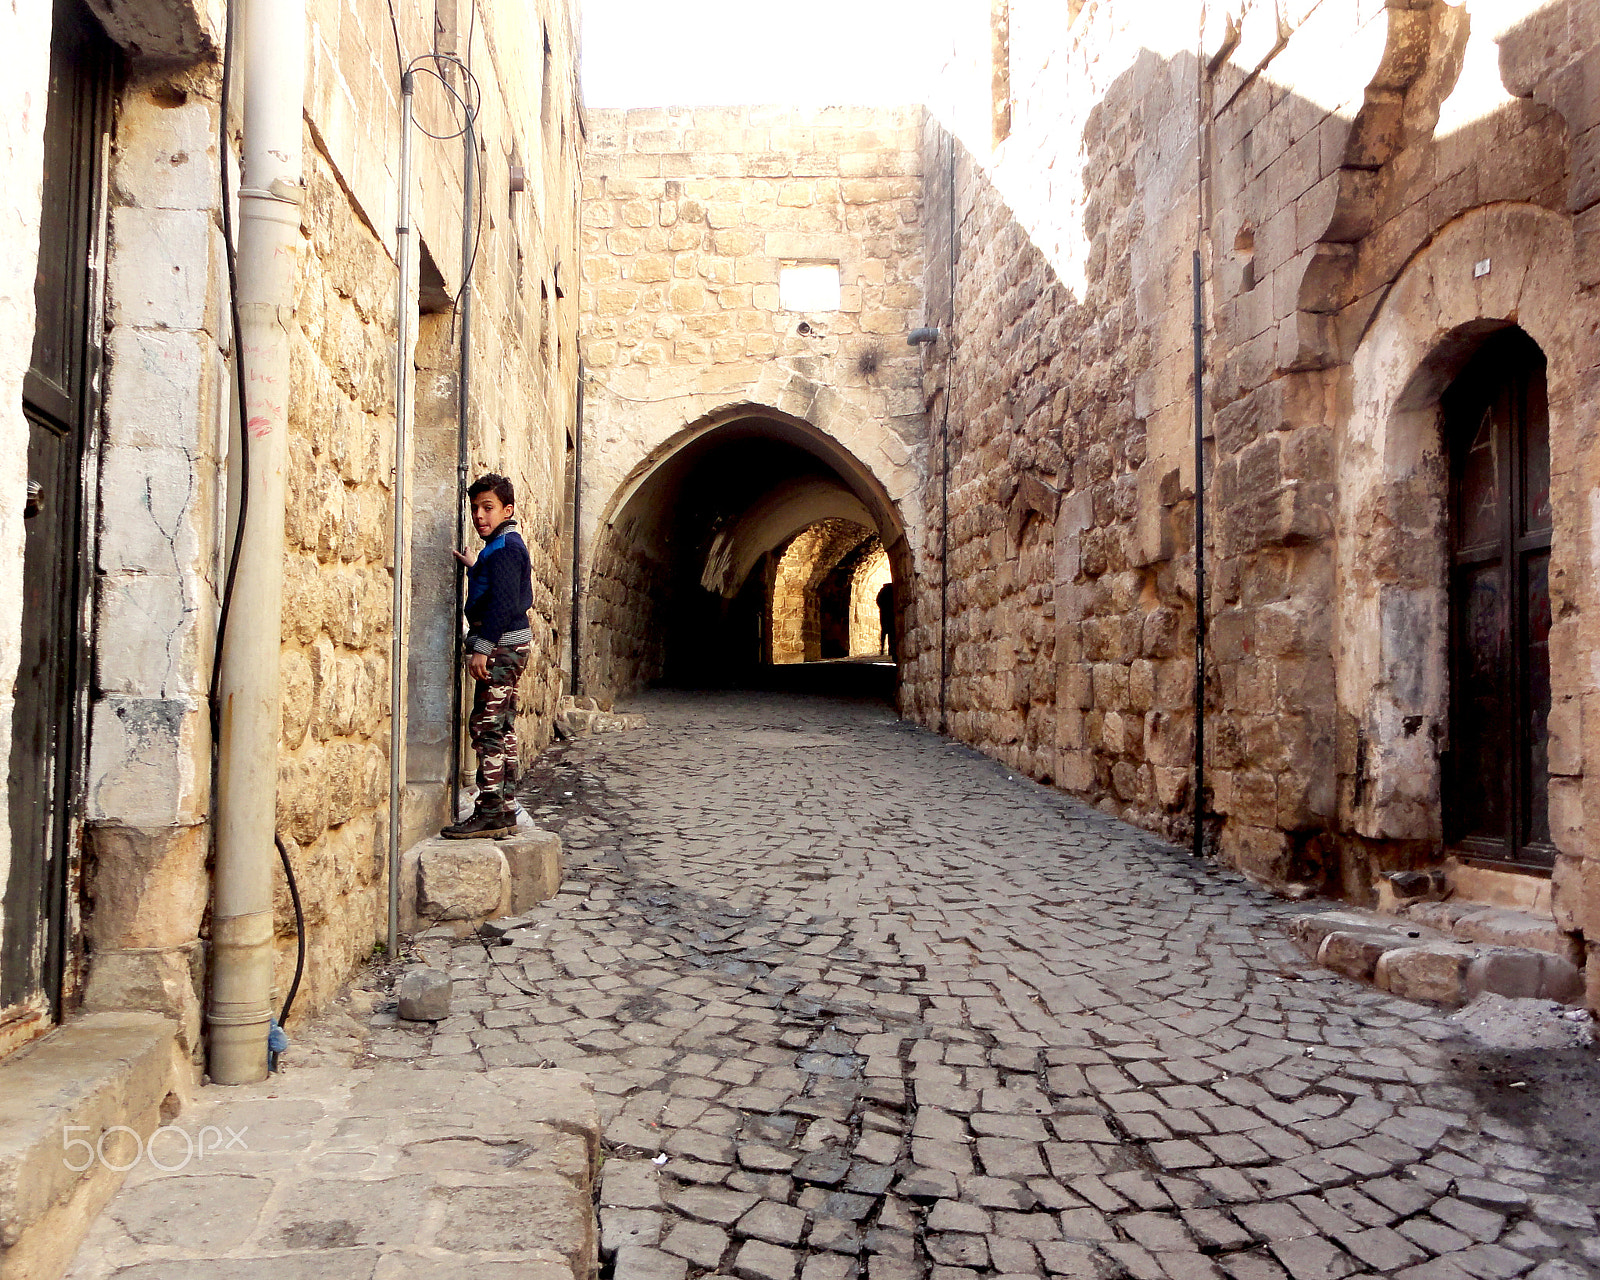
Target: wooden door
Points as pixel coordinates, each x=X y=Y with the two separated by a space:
x=1498 y=430
x=58 y=403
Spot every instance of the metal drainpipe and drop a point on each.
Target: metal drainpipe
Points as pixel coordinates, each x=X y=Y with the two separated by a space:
x=1198 y=835
x=469 y=226
x=402 y=398
x=1199 y=570
x=272 y=63
x=944 y=446
x=577 y=533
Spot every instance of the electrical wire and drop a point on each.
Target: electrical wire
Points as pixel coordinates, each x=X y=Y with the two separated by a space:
x=225 y=603
x=299 y=931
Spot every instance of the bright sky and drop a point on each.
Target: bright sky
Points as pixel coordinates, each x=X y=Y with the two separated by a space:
x=639 y=53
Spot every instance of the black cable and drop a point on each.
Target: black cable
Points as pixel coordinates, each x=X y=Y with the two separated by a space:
x=225 y=604
x=299 y=931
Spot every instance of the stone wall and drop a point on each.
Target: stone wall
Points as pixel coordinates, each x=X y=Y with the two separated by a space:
x=1382 y=186
x=333 y=793
x=796 y=609
x=689 y=217
x=155 y=593
x=160 y=497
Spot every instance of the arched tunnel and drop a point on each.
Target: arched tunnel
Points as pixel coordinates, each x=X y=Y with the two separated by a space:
x=741 y=549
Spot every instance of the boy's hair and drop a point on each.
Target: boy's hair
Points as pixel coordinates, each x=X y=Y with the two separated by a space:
x=495 y=484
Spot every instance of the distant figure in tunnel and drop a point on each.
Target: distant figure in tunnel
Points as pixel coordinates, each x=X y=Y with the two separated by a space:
x=886 y=640
x=499 y=595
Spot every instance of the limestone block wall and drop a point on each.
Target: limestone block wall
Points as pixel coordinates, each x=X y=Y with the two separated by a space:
x=1060 y=384
x=333 y=789
x=688 y=218
x=148 y=791
x=1381 y=186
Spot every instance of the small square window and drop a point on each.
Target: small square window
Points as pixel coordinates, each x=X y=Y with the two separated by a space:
x=809 y=287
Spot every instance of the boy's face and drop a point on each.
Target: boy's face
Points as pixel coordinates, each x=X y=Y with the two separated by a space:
x=489 y=513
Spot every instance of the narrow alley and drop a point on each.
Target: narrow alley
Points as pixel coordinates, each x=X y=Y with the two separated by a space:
x=856 y=1000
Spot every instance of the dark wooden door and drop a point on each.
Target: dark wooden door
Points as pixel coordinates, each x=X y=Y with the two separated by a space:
x=57 y=402
x=1498 y=429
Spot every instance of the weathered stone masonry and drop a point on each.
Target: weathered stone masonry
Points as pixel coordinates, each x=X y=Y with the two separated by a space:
x=689 y=218
x=1383 y=185
x=161 y=514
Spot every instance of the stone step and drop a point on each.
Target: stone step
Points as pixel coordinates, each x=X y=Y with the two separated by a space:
x=1496 y=926
x=459 y=884
x=1408 y=958
x=75 y=1109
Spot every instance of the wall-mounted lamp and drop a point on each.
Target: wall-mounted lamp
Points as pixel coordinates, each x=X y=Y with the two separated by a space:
x=926 y=334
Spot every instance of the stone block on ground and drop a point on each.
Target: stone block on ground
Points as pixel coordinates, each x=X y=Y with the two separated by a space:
x=461 y=880
x=1356 y=953
x=533 y=858
x=1309 y=931
x=424 y=995
x=1498 y=926
x=99 y=1069
x=1524 y=974
x=1434 y=971
x=583 y=717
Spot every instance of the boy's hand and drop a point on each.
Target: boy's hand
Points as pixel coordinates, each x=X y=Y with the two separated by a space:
x=478 y=664
x=468 y=558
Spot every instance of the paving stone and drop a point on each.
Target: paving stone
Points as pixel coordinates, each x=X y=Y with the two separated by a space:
x=715 y=1205
x=777 y=1223
x=953 y=1215
x=1012 y=1257
x=1159 y=1232
x=634 y=1262
x=766 y=1159
x=622 y=1227
x=1562 y=1211
x=1078 y=1261
x=929 y=1184
x=822 y=1266
x=758 y=1260
x=697 y=1242
x=825 y=1168
x=957 y=1250
x=1381 y=1249
x=841 y=1235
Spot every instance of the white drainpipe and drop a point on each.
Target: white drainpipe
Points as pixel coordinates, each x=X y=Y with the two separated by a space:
x=271 y=62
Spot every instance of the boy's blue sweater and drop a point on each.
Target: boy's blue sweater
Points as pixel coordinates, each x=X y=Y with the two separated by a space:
x=499 y=592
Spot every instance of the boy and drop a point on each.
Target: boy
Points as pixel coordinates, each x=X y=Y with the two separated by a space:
x=499 y=595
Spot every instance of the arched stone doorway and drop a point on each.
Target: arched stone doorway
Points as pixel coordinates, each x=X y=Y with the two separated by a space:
x=1484 y=310
x=684 y=579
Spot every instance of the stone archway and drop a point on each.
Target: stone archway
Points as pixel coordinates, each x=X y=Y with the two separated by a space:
x=681 y=553
x=1493 y=268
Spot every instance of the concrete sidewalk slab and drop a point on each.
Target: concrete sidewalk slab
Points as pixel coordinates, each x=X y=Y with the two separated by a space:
x=367 y=1173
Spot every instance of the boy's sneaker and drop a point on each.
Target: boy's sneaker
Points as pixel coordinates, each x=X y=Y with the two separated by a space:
x=482 y=826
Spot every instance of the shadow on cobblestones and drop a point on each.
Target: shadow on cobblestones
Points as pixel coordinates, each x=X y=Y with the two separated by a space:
x=858 y=1002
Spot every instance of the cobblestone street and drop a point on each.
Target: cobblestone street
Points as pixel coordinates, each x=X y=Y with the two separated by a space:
x=855 y=998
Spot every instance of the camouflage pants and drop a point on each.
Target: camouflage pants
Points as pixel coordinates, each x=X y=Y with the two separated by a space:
x=493 y=727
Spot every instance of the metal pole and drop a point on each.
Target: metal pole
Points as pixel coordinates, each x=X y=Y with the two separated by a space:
x=463 y=410
x=577 y=530
x=1199 y=798
x=944 y=446
x=272 y=59
x=1199 y=567
x=402 y=398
